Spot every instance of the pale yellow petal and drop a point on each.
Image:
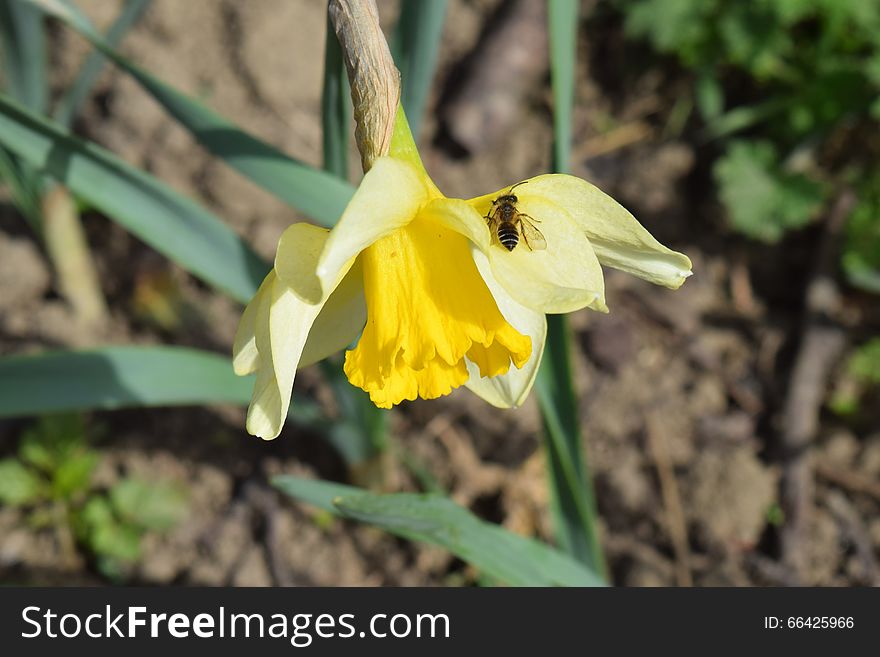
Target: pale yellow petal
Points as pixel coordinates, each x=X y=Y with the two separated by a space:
x=296 y=259
x=618 y=239
x=564 y=277
x=264 y=417
x=245 y=357
x=511 y=388
x=387 y=199
x=282 y=324
x=340 y=321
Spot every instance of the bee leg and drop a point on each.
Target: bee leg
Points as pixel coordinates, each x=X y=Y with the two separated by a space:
x=523 y=214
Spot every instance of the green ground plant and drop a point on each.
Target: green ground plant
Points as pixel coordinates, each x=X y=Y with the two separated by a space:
x=789 y=93
x=51 y=479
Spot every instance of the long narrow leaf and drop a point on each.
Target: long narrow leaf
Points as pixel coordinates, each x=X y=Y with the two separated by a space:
x=73 y=99
x=573 y=504
x=23 y=59
x=318 y=194
x=23 y=42
x=335 y=107
x=169 y=222
x=23 y=188
x=415 y=45
x=562 y=19
x=435 y=519
x=117 y=377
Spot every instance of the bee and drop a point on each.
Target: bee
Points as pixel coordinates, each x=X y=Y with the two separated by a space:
x=506 y=223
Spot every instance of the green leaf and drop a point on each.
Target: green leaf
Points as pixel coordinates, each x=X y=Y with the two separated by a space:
x=415 y=45
x=154 y=506
x=169 y=222
x=19 y=485
x=74 y=475
x=361 y=432
x=23 y=42
x=742 y=118
x=498 y=553
x=681 y=26
x=571 y=490
x=762 y=200
x=335 y=107
x=24 y=188
x=117 y=377
x=52 y=440
x=864 y=364
x=709 y=95
x=71 y=102
x=861 y=251
x=23 y=59
x=562 y=18
x=105 y=535
x=316 y=193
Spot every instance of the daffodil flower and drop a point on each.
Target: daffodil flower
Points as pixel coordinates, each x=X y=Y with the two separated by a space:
x=431 y=299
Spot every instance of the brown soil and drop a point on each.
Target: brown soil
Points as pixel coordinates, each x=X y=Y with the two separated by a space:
x=680 y=391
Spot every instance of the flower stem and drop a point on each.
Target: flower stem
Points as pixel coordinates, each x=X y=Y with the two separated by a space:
x=375 y=81
x=570 y=481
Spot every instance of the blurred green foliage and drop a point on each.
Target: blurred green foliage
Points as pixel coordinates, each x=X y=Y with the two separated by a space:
x=798 y=84
x=754 y=187
x=53 y=463
x=861 y=256
x=861 y=374
x=51 y=477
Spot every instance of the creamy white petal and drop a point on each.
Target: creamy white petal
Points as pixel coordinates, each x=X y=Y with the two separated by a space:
x=264 y=410
x=618 y=239
x=340 y=321
x=245 y=357
x=509 y=389
x=387 y=199
x=282 y=325
x=564 y=277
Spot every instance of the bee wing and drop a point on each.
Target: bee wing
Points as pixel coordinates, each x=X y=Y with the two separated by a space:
x=533 y=237
x=493 y=229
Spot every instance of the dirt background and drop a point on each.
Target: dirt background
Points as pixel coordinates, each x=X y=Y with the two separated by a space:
x=682 y=394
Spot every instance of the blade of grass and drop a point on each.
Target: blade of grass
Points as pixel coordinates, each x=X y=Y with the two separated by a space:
x=571 y=488
x=174 y=225
x=498 y=553
x=117 y=377
x=415 y=44
x=316 y=193
x=24 y=53
x=73 y=99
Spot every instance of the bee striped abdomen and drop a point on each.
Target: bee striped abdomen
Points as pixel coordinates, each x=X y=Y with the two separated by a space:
x=508 y=235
